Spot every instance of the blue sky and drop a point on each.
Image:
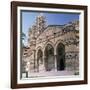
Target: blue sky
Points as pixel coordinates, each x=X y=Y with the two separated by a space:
x=28 y=19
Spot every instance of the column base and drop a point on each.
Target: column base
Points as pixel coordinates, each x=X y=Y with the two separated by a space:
x=55 y=70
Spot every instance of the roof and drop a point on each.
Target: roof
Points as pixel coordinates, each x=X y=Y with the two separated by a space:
x=60 y=26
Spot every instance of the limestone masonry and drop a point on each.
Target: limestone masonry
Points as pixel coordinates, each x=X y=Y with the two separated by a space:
x=51 y=47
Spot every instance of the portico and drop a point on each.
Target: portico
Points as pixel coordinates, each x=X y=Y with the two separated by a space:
x=51 y=58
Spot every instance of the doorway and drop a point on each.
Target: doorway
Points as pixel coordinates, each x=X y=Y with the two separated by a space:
x=60 y=57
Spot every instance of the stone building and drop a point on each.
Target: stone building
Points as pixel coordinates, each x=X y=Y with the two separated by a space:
x=52 y=47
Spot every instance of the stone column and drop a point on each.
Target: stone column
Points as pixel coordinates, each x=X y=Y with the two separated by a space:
x=34 y=51
x=55 y=59
x=43 y=62
x=37 y=65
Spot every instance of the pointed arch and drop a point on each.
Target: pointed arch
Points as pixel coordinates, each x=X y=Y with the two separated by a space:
x=60 y=50
x=49 y=57
x=39 y=59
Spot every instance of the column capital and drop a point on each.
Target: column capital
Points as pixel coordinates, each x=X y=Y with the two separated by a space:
x=55 y=55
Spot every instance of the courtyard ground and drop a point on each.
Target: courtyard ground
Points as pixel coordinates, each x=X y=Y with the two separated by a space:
x=50 y=73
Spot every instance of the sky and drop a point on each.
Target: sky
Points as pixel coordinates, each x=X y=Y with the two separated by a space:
x=29 y=17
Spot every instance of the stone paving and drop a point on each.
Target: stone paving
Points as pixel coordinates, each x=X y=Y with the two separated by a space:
x=50 y=73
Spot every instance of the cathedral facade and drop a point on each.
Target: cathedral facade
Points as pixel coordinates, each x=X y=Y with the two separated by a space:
x=52 y=47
